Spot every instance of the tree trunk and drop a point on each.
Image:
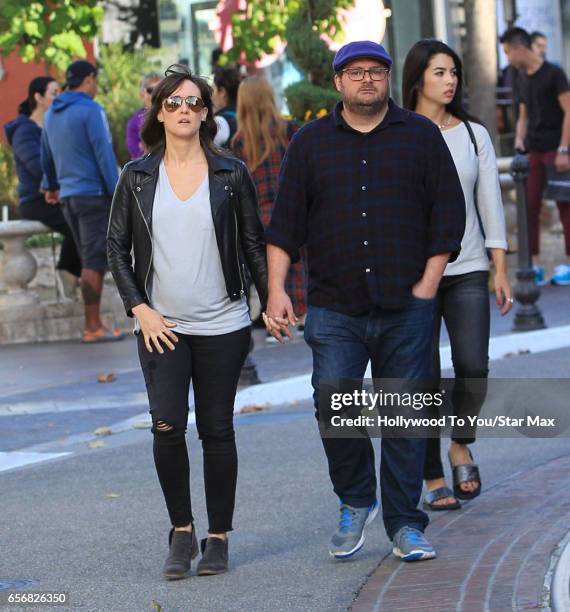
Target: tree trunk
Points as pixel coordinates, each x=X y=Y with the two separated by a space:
x=481 y=61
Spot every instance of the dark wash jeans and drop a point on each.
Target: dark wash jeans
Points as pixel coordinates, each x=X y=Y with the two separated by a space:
x=213 y=363
x=398 y=345
x=462 y=301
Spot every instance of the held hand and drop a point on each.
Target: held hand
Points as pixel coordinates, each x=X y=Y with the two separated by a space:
x=562 y=162
x=503 y=293
x=155 y=328
x=52 y=197
x=423 y=291
x=279 y=315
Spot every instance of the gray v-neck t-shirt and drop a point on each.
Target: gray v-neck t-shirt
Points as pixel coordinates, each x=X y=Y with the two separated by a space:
x=188 y=285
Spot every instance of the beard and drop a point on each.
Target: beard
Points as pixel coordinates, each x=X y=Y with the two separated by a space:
x=367 y=106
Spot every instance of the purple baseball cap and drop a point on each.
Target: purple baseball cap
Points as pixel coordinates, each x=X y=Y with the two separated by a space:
x=358 y=50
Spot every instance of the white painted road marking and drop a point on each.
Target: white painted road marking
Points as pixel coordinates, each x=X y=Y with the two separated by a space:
x=11 y=460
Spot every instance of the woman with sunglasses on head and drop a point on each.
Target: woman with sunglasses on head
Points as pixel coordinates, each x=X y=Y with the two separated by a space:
x=189 y=212
x=134 y=125
x=432 y=86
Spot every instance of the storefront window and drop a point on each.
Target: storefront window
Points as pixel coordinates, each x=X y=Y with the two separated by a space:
x=410 y=21
x=203 y=36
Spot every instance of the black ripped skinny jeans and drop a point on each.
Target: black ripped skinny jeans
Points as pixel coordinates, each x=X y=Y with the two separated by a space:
x=213 y=364
x=462 y=301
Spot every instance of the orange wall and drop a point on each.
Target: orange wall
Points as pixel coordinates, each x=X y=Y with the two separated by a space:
x=14 y=84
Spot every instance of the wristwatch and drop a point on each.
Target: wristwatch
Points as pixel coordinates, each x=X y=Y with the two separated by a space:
x=563 y=150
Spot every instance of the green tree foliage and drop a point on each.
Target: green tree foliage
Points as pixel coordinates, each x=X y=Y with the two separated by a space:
x=48 y=30
x=303 y=24
x=258 y=29
x=118 y=82
x=8 y=180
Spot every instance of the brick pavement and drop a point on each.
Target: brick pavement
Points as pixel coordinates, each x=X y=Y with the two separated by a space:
x=494 y=554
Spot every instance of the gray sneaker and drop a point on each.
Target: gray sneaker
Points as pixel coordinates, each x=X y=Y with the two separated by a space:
x=349 y=537
x=411 y=545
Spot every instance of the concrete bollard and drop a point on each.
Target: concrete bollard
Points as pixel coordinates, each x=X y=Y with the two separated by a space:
x=18 y=266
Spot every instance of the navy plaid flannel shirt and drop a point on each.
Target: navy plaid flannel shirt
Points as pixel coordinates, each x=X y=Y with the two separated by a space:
x=371 y=208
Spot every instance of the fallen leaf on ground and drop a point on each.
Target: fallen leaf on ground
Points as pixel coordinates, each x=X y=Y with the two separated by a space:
x=519 y=352
x=142 y=425
x=112 y=495
x=103 y=431
x=96 y=444
x=253 y=408
x=106 y=378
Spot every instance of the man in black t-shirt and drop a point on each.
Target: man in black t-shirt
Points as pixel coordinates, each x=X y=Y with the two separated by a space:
x=543 y=128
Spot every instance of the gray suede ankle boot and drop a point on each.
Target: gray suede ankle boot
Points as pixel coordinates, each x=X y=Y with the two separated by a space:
x=183 y=548
x=214 y=557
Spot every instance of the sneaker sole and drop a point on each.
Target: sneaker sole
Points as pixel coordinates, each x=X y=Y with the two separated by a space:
x=559 y=282
x=415 y=555
x=346 y=555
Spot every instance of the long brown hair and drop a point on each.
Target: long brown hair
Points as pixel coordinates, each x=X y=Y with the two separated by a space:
x=152 y=132
x=259 y=122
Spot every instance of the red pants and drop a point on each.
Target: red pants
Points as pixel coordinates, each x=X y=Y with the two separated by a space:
x=535 y=187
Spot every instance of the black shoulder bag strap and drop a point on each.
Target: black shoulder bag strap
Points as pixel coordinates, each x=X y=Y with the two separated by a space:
x=474 y=141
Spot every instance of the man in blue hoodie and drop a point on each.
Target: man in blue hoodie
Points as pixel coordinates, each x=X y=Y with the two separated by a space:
x=81 y=169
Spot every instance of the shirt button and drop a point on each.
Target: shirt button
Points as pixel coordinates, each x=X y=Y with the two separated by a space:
x=367 y=270
x=364 y=161
x=364 y=214
x=365 y=243
x=363 y=187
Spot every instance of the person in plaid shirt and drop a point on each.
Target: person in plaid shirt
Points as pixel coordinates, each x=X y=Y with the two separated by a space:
x=261 y=142
x=373 y=192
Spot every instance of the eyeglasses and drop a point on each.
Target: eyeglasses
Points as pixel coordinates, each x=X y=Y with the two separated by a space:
x=173 y=103
x=357 y=74
x=177 y=69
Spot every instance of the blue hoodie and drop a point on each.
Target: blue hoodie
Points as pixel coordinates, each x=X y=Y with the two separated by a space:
x=24 y=136
x=77 y=152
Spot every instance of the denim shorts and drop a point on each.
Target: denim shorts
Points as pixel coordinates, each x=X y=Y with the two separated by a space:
x=88 y=218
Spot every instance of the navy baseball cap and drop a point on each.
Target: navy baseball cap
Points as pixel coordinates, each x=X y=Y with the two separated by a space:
x=358 y=50
x=78 y=71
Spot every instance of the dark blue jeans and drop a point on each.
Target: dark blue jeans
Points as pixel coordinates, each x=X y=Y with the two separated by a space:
x=398 y=345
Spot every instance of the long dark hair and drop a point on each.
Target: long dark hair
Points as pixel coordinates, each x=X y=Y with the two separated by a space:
x=416 y=63
x=152 y=132
x=228 y=78
x=36 y=86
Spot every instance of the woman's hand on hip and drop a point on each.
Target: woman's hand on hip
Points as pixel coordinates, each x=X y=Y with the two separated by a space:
x=155 y=328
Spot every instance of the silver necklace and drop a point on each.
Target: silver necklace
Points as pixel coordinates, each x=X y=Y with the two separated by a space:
x=445 y=124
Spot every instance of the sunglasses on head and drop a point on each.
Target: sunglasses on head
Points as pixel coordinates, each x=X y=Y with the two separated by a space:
x=173 y=103
x=177 y=69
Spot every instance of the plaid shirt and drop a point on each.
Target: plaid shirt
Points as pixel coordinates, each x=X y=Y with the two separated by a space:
x=372 y=208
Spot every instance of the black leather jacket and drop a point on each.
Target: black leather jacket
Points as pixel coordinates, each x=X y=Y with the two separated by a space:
x=238 y=229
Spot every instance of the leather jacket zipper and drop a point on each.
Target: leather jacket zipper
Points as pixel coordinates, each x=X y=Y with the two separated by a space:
x=151 y=245
x=242 y=292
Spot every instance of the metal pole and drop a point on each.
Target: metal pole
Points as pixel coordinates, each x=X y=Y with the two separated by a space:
x=528 y=316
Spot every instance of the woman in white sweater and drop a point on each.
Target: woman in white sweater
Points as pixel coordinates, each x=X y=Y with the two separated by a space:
x=432 y=86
